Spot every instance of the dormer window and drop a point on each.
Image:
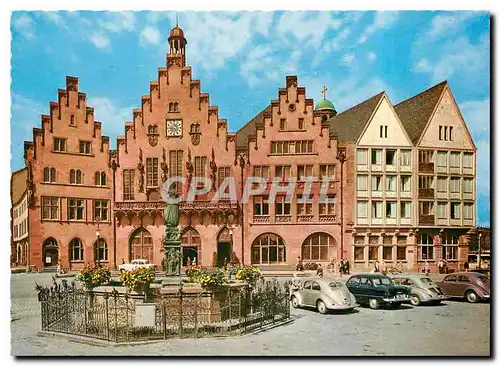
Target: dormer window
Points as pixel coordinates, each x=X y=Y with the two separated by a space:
x=153 y=130
x=195 y=128
x=173 y=107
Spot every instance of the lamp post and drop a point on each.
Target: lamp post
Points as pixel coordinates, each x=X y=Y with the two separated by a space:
x=98 y=242
x=242 y=222
x=341 y=157
x=479 y=252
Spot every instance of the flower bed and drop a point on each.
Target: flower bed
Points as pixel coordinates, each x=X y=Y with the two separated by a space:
x=250 y=274
x=91 y=276
x=137 y=279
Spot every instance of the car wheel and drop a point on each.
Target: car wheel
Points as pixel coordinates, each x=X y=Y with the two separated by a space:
x=471 y=297
x=320 y=305
x=373 y=303
x=295 y=302
x=415 y=300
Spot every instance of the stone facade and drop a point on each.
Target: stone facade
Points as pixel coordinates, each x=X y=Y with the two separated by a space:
x=87 y=203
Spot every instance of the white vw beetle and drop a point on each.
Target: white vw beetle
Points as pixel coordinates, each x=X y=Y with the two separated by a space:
x=323 y=294
x=135 y=263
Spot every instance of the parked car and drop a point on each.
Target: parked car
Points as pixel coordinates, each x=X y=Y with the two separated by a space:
x=377 y=289
x=423 y=289
x=135 y=263
x=323 y=294
x=471 y=286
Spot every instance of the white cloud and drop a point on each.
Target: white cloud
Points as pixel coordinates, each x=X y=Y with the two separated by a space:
x=372 y=56
x=112 y=116
x=25 y=25
x=216 y=37
x=310 y=26
x=382 y=20
x=119 y=21
x=460 y=57
x=447 y=23
x=150 y=35
x=100 y=40
x=423 y=66
x=348 y=59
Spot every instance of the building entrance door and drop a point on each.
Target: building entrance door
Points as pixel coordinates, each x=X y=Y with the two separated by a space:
x=223 y=253
x=50 y=252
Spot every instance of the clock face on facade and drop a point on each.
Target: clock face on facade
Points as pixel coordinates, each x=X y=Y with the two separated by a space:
x=174 y=128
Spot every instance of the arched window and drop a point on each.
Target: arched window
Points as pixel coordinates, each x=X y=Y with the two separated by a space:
x=49 y=175
x=426 y=247
x=75 y=250
x=324 y=118
x=190 y=246
x=319 y=247
x=79 y=177
x=268 y=249
x=72 y=120
x=100 y=178
x=19 y=253
x=141 y=245
x=100 y=250
x=450 y=247
x=72 y=176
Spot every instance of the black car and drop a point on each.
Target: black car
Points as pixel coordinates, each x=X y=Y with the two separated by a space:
x=377 y=289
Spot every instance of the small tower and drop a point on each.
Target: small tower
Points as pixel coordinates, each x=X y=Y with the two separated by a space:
x=177 y=43
x=325 y=107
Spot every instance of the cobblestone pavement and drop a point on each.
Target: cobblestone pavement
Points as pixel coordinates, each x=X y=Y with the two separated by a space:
x=454 y=328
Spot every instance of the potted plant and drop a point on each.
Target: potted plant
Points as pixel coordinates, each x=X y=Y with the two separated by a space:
x=92 y=276
x=249 y=274
x=138 y=279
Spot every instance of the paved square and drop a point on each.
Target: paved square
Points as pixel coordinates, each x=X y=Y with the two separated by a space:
x=454 y=328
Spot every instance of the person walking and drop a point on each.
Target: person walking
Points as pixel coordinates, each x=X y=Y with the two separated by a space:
x=347 y=270
x=341 y=267
x=383 y=267
x=299 y=266
x=440 y=266
x=427 y=268
x=319 y=271
x=466 y=266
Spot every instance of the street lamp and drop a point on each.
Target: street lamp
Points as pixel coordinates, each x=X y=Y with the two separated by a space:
x=98 y=242
x=341 y=157
x=479 y=252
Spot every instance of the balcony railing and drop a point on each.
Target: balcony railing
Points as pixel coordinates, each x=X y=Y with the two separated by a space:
x=426 y=219
x=426 y=167
x=426 y=193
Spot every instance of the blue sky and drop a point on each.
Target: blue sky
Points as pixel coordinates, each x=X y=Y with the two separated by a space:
x=242 y=59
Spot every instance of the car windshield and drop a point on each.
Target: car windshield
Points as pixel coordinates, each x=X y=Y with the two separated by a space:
x=426 y=281
x=482 y=278
x=379 y=281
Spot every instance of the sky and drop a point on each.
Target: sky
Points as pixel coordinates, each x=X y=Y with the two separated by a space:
x=242 y=58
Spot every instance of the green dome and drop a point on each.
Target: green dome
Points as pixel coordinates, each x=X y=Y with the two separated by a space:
x=325 y=105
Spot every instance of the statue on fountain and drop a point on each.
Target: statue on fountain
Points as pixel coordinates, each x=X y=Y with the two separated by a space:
x=172 y=236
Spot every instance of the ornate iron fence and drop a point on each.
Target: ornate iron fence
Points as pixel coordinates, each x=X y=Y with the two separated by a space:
x=122 y=317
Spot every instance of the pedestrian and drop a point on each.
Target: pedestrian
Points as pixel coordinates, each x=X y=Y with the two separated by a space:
x=376 y=267
x=319 y=271
x=383 y=267
x=341 y=267
x=466 y=266
x=123 y=261
x=299 y=266
x=440 y=266
x=193 y=262
x=347 y=266
x=225 y=263
x=426 y=268
x=58 y=267
x=189 y=261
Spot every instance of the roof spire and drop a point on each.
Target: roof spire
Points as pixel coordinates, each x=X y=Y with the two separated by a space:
x=177 y=19
x=324 y=92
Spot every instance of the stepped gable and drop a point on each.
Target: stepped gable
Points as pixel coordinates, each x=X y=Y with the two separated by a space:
x=416 y=111
x=249 y=129
x=348 y=125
